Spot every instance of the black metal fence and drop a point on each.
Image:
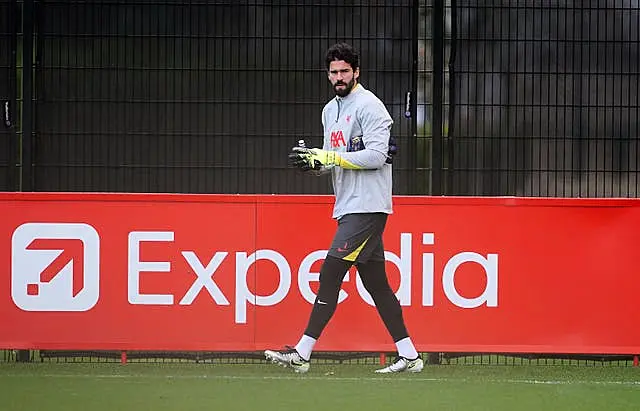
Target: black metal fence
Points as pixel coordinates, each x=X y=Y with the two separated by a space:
x=200 y=97
x=488 y=97
x=545 y=98
x=368 y=358
x=8 y=71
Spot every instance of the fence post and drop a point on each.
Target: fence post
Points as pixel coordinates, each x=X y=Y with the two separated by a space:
x=437 y=85
x=437 y=94
x=9 y=108
x=27 y=114
x=411 y=103
x=26 y=161
x=451 y=65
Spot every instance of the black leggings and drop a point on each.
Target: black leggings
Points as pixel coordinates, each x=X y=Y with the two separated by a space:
x=375 y=281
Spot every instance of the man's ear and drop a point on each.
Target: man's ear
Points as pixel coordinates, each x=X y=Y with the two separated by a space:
x=356 y=74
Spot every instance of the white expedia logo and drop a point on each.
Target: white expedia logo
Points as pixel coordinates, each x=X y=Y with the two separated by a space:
x=55 y=267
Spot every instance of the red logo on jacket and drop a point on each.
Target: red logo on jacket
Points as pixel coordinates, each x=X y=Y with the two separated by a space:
x=337 y=139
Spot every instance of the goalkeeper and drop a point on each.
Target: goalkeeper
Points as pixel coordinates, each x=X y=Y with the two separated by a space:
x=358 y=152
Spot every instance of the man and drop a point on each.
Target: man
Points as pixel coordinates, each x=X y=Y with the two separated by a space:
x=356 y=152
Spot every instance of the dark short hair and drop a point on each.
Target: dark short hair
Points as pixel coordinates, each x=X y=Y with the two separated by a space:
x=342 y=51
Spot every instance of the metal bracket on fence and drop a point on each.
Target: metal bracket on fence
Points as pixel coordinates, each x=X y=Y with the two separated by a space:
x=7 y=113
x=407 y=105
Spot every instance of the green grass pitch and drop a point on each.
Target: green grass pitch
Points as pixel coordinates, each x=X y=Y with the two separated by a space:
x=263 y=387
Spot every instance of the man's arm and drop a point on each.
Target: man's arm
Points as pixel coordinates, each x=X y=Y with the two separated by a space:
x=367 y=159
x=375 y=123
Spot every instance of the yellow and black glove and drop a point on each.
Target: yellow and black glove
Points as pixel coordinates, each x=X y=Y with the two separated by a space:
x=313 y=158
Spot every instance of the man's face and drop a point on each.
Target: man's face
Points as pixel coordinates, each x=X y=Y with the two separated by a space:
x=342 y=77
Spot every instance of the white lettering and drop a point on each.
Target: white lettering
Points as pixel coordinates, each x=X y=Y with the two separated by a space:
x=244 y=295
x=490 y=293
x=135 y=267
x=245 y=282
x=305 y=276
x=204 y=278
x=427 y=271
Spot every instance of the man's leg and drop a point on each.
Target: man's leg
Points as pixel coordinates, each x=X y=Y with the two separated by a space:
x=332 y=274
x=374 y=279
x=358 y=235
x=349 y=240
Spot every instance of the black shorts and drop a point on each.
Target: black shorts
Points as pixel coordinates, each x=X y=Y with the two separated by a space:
x=359 y=238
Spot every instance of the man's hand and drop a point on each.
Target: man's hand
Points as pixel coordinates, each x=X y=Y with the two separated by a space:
x=312 y=158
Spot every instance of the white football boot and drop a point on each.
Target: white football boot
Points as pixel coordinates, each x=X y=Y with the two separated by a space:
x=288 y=358
x=402 y=364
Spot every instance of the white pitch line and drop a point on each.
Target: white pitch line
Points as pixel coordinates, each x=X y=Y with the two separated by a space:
x=329 y=378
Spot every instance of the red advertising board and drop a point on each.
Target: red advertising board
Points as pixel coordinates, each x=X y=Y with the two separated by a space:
x=217 y=272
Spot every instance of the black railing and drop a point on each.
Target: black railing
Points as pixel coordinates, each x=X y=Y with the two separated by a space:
x=8 y=105
x=201 y=97
x=488 y=98
x=546 y=99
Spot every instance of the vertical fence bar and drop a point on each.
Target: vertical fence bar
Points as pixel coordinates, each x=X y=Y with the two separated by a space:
x=14 y=18
x=413 y=136
x=451 y=130
x=26 y=180
x=437 y=94
x=26 y=169
x=8 y=58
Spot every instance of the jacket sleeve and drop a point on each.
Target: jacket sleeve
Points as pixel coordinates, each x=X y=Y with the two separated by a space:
x=376 y=123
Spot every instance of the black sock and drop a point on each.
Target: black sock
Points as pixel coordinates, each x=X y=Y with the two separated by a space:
x=374 y=278
x=331 y=275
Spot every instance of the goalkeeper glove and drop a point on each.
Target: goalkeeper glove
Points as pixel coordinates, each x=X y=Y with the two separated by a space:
x=307 y=159
x=313 y=158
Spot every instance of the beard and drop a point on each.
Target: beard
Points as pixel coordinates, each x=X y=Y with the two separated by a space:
x=346 y=90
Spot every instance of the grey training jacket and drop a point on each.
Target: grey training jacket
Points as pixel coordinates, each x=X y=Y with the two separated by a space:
x=358 y=126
